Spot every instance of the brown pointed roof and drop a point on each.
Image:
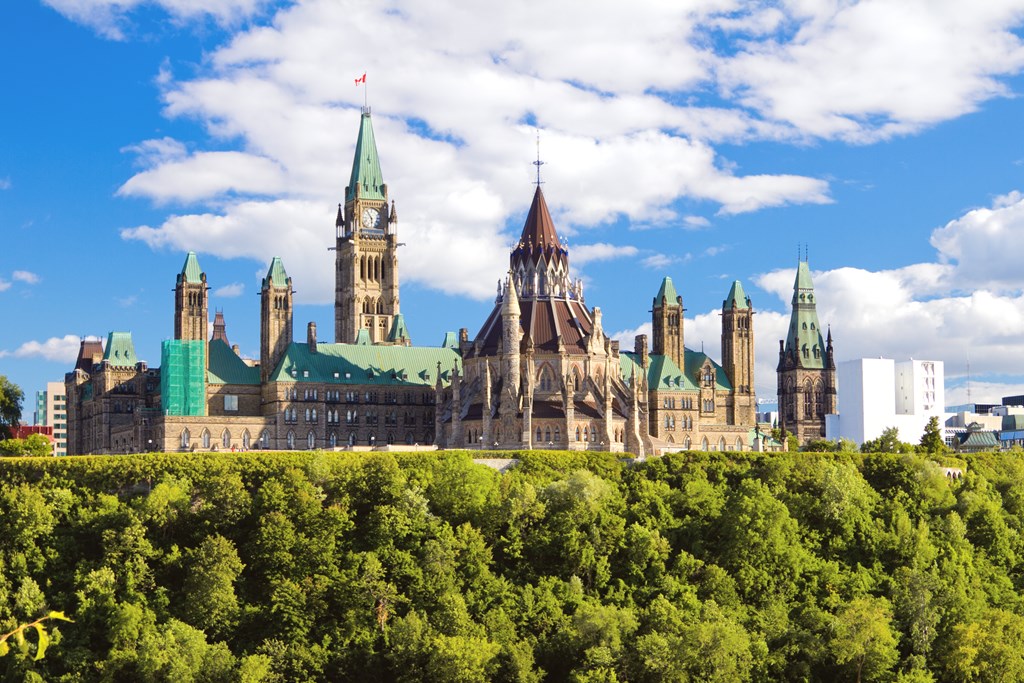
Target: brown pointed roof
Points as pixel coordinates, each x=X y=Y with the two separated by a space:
x=539 y=228
x=539 y=237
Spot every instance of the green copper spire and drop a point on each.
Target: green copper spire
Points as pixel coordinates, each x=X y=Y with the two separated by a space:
x=736 y=297
x=804 y=340
x=276 y=275
x=668 y=291
x=190 y=272
x=366 y=173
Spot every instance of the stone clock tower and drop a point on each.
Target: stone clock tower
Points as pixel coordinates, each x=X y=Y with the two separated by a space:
x=366 y=276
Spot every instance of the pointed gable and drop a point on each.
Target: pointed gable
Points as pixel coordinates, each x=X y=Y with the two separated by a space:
x=366 y=174
x=120 y=350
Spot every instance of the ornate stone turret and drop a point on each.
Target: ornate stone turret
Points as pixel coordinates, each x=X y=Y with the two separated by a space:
x=667 y=321
x=191 y=302
x=806 y=370
x=738 y=352
x=275 y=318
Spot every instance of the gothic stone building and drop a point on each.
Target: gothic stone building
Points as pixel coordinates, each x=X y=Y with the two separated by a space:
x=540 y=373
x=807 y=368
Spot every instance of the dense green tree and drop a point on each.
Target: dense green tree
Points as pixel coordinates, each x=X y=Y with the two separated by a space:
x=988 y=650
x=863 y=638
x=33 y=446
x=931 y=439
x=887 y=442
x=11 y=397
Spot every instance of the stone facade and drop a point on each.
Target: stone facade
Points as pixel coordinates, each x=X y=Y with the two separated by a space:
x=540 y=373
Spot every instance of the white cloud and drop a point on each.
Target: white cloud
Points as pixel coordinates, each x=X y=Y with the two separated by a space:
x=451 y=129
x=581 y=254
x=25 y=276
x=968 y=306
x=873 y=69
x=658 y=261
x=58 y=349
x=4 y=285
x=696 y=222
x=207 y=175
x=235 y=289
x=111 y=18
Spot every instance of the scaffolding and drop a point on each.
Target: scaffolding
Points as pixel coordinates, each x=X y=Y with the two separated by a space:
x=183 y=377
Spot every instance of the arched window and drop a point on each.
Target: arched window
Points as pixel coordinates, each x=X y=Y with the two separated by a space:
x=225 y=439
x=391 y=438
x=307 y=414
x=577 y=433
x=246 y=439
x=206 y=438
x=186 y=438
x=721 y=443
x=408 y=438
x=351 y=438
x=540 y=436
x=686 y=443
x=586 y=433
x=545 y=379
x=291 y=439
x=265 y=439
x=311 y=440
x=332 y=439
x=704 y=443
x=547 y=434
x=739 y=444
x=558 y=435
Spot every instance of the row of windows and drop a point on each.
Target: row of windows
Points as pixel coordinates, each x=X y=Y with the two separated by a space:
x=685 y=403
x=685 y=422
x=351 y=396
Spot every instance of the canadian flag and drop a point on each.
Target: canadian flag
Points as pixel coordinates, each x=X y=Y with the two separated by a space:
x=361 y=79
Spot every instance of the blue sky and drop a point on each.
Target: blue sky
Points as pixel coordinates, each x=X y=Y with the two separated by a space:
x=703 y=141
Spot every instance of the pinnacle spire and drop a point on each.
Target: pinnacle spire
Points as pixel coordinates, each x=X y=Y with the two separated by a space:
x=366 y=180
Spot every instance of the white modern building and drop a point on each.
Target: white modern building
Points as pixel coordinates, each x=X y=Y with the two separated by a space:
x=878 y=393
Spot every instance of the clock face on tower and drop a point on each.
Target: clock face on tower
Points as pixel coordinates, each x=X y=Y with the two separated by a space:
x=370 y=218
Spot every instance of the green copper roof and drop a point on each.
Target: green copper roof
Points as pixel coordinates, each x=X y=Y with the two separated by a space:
x=355 y=364
x=399 y=332
x=366 y=173
x=451 y=341
x=225 y=367
x=667 y=291
x=190 y=272
x=363 y=337
x=120 y=350
x=736 y=297
x=804 y=339
x=803 y=276
x=276 y=275
x=664 y=375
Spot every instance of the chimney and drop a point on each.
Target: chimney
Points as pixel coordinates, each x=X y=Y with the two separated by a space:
x=640 y=348
x=311 y=337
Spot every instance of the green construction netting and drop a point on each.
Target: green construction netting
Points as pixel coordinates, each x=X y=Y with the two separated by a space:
x=183 y=377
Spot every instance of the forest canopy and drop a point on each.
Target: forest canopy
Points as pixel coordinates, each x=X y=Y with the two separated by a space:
x=570 y=566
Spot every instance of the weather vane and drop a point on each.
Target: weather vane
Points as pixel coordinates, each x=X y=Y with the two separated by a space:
x=538 y=163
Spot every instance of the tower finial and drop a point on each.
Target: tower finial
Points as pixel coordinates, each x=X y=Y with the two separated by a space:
x=538 y=163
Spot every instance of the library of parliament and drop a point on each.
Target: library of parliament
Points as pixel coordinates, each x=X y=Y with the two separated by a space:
x=541 y=373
